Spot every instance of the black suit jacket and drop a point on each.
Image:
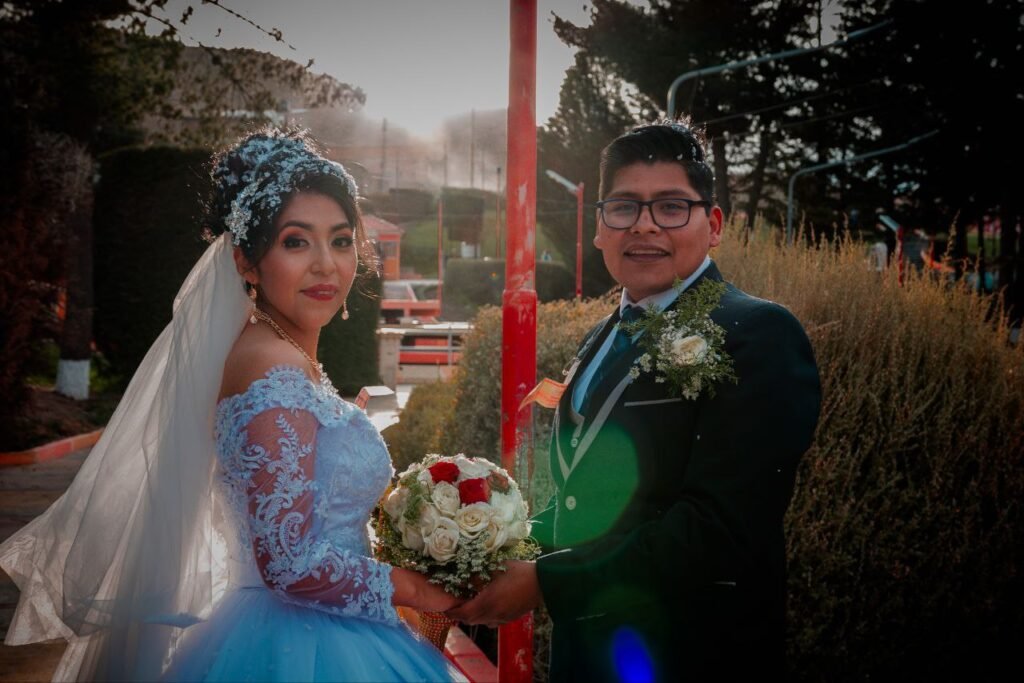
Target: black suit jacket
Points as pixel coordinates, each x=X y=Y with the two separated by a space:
x=664 y=551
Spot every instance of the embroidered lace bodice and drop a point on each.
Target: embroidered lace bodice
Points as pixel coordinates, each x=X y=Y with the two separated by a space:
x=300 y=470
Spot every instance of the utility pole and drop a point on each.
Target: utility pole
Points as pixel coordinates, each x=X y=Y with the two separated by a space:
x=383 y=152
x=445 y=163
x=472 y=147
x=497 y=215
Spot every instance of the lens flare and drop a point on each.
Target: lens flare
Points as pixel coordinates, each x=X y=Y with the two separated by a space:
x=632 y=660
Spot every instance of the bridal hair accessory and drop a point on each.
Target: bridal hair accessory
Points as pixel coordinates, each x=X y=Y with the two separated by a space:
x=276 y=165
x=262 y=315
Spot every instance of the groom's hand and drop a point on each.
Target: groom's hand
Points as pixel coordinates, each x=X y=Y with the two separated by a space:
x=510 y=594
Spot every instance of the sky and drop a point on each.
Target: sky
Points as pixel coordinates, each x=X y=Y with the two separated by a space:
x=418 y=61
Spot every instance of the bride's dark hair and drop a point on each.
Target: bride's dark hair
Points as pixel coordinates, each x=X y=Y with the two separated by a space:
x=254 y=178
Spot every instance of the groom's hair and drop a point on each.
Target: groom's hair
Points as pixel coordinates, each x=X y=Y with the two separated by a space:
x=672 y=141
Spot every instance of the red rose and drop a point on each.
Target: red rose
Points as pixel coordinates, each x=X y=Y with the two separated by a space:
x=444 y=471
x=474 y=491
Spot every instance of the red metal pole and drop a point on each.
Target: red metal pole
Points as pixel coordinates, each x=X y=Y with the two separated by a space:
x=519 y=300
x=579 y=241
x=440 y=251
x=899 y=252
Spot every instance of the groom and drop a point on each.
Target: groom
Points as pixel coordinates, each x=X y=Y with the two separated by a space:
x=664 y=550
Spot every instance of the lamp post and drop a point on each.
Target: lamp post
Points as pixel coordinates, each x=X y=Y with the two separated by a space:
x=578 y=191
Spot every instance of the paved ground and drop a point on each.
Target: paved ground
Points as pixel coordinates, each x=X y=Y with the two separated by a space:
x=25 y=492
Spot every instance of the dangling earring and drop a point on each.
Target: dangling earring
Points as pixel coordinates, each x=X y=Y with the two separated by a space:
x=252 y=297
x=344 y=311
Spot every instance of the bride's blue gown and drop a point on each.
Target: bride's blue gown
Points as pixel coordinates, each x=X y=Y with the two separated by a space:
x=299 y=471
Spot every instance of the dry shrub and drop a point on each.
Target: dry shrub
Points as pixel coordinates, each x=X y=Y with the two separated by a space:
x=904 y=534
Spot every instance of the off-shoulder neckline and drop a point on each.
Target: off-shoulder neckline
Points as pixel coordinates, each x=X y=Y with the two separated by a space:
x=268 y=376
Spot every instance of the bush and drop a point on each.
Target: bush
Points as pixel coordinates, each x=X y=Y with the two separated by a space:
x=472 y=283
x=427 y=411
x=474 y=426
x=147 y=238
x=348 y=348
x=904 y=533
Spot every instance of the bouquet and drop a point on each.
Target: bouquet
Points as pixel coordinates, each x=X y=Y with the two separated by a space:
x=454 y=519
x=457 y=520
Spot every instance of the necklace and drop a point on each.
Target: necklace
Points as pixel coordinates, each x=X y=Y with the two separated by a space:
x=261 y=315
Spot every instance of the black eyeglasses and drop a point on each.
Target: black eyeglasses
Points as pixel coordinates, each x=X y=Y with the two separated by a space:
x=668 y=213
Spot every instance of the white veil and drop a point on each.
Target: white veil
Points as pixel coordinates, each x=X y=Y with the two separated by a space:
x=125 y=557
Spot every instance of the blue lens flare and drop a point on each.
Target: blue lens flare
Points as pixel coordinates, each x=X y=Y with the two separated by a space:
x=632 y=660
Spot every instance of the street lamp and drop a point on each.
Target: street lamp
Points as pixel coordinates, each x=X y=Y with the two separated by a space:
x=578 y=191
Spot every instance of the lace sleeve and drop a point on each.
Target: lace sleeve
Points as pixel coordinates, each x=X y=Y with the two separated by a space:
x=279 y=455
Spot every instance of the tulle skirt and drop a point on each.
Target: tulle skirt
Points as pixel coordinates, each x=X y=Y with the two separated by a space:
x=254 y=636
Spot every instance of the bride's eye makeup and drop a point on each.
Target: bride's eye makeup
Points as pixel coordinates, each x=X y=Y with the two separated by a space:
x=343 y=240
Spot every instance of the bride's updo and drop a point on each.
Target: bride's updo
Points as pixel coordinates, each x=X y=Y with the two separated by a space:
x=254 y=179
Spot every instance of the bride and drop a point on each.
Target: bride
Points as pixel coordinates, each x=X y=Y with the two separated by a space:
x=218 y=530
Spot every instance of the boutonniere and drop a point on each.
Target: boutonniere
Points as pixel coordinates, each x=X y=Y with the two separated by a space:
x=682 y=345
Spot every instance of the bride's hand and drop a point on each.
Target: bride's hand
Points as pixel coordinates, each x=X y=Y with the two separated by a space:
x=413 y=590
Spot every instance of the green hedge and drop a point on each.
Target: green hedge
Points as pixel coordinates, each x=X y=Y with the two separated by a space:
x=472 y=283
x=348 y=348
x=905 y=536
x=149 y=204
x=419 y=432
x=147 y=238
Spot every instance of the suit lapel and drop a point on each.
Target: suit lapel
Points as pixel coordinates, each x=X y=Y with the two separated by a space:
x=566 y=418
x=606 y=396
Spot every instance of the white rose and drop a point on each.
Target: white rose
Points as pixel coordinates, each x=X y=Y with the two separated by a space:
x=446 y=498
x=689 y=350
x=518 y=531
x=472 y=468
x=504 y=507
x=412 y=539
x=426 y=478
x=495 y=536
x=474 y=518
x=394 y=504
x=442 y=544
x=429 y=517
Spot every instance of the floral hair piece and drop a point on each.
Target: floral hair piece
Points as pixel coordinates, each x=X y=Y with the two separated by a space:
x=276 y=166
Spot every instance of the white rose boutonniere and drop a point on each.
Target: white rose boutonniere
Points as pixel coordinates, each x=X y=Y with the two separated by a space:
x=683 y=346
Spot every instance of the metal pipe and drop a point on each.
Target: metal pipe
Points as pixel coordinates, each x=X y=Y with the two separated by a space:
x=831 y=164
x=730 y=66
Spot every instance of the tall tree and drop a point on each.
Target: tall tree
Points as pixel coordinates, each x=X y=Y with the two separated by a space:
x=648 y=47
x=66 y=72
x=591 y=112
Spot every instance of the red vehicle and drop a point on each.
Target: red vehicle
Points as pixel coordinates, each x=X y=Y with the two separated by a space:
x=410 y=301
